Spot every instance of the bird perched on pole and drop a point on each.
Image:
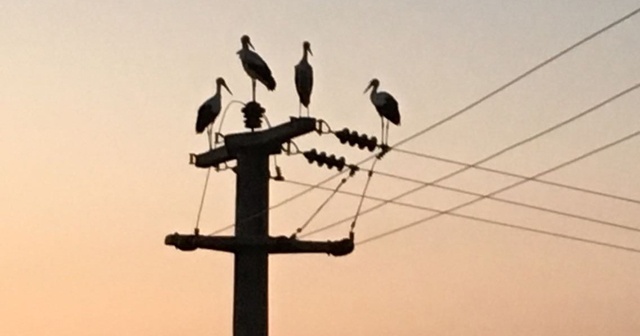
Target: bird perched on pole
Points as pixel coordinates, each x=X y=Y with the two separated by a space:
x=386 y=106
x=210 y=109
x=304 y=78
x=255 y=66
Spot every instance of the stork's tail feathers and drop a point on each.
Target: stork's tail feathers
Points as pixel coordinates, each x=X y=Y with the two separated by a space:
x=200 y=126
x=270 y=83
x=394 y=118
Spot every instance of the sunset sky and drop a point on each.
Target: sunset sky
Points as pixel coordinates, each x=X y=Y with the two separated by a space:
x=98 y=102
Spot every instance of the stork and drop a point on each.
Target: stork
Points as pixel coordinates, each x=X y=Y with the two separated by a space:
x=304 y=78
x=255 y=66
x=210 y=109
x=386 y=106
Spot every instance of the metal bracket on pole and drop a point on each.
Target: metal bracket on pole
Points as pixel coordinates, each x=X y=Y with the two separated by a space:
x=273 y=245
x=272 y=139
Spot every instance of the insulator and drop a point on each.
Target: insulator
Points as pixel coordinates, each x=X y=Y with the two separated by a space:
x=311 y=155
x=321 y=159
x=343 y=135
x=253 y=115
x=373 y=143
x=354 y=139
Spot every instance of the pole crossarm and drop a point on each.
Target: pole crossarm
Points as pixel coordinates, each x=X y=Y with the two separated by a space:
x=251 y=244
x=272 y=139
x=273 y=245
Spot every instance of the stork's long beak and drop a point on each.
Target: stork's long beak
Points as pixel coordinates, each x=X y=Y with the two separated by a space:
x=226 y=87
x=251 y=45
x=368 y=87
x=310 y=51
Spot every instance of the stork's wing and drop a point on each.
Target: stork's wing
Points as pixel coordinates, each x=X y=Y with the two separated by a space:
x=304 y=83
x=255 y=64
x=389 y=108
x=204 y=117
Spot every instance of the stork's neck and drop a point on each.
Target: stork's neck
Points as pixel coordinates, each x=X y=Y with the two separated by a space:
x=304 y=54
x=374 y=92
x=218 y=85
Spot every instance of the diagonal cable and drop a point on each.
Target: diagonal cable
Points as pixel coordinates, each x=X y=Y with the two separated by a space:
x=511 y=186
x=468 y=107
x=474 y=218
x=485 y=97
x=494 y=155
x=505 y=173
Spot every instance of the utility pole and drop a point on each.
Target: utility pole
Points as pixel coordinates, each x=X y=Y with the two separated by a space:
x=252 y=244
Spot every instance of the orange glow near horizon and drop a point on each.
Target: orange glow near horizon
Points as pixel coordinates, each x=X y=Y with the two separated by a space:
x=98 y=104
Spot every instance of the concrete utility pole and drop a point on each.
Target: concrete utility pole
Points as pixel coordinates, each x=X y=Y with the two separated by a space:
x=252 y=243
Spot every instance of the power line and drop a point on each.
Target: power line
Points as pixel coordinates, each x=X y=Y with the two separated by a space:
x=548 y=171
x=489 y=95
x=505 y=173
x=501 y=200
x=204 y=193
x=522 y=76
x=503 y=224
x=516 y=203
x=468 y=107
x=498 y=153
x=475 y=218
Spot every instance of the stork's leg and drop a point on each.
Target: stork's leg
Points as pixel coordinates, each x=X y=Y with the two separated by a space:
x=209 y=133
x=382 y=131
x=386 y=136
x=253 y=88
x=308 y=114
x=299 y=110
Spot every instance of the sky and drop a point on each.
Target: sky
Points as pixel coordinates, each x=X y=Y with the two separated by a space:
x=98 y=103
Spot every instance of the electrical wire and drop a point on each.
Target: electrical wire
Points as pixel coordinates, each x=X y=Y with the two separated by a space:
x=468 y=107
x=522 y=76
x=481 y=99
x=503 y=224
x=505 y=173
x=498 y=153
x=474 y=218
x=516 y=203
x=224 y=113
x=204 y=193
x=364 y=194
x=466 y=192
x=273 y=207
x=315 y=213
x=511 y=186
